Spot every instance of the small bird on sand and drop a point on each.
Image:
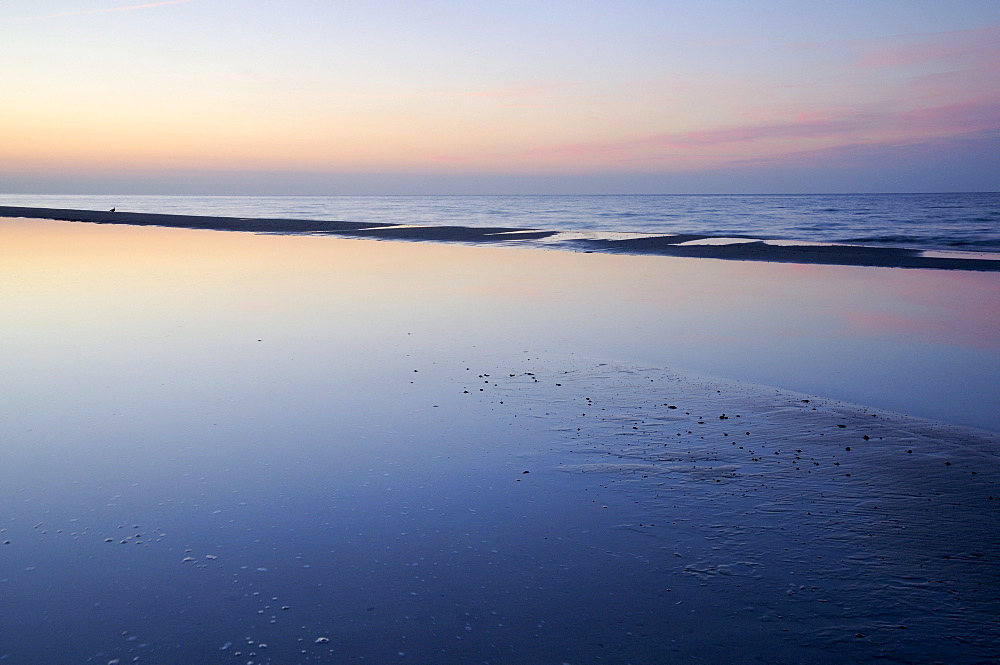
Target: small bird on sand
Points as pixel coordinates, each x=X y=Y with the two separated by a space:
x=112 y=210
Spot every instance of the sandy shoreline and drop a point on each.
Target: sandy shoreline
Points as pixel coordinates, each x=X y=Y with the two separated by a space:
x=744 y=249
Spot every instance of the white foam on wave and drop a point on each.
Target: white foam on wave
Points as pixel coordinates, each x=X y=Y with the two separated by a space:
x=562 y=236
x=959 y=254
x=718 y=241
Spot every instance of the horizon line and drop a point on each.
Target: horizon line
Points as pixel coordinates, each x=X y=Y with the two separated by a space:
x=428 y=194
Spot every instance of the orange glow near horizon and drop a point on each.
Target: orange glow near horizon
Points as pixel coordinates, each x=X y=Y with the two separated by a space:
x=100 y=87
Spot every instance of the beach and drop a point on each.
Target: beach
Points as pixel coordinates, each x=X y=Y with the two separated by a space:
x=288 y=441
x=500 y=333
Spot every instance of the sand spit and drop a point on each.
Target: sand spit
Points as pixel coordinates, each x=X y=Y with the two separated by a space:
x=680 y=245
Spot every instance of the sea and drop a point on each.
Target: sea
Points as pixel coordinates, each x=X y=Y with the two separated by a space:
x=932 y=221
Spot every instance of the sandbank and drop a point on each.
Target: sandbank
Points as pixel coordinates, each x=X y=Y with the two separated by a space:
x=742 y=249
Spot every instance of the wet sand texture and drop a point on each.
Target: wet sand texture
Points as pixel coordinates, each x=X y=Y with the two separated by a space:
x=851 y=530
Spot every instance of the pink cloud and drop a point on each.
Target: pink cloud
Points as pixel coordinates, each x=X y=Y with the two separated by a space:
x=813 y=126
x=818 y=128
x=878 y=101
x=967 y=116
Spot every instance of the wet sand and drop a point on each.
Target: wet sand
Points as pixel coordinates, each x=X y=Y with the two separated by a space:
x=741 y=249
x=350 y=450
x=853 y=533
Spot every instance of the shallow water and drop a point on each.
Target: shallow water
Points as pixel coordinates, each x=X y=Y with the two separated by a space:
x=203 y=429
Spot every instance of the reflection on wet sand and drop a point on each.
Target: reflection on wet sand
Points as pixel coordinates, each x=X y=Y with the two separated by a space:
x=298 y=449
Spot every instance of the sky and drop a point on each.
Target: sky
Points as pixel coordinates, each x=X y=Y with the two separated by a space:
x=548 y=96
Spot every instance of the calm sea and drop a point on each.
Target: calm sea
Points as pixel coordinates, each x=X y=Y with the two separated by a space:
x=969 y=221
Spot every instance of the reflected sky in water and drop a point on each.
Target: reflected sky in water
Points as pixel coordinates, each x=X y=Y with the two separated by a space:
x=203 y=428
x=921 y=342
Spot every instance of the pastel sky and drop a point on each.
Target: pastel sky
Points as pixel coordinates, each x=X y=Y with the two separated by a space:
x=548 y=96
